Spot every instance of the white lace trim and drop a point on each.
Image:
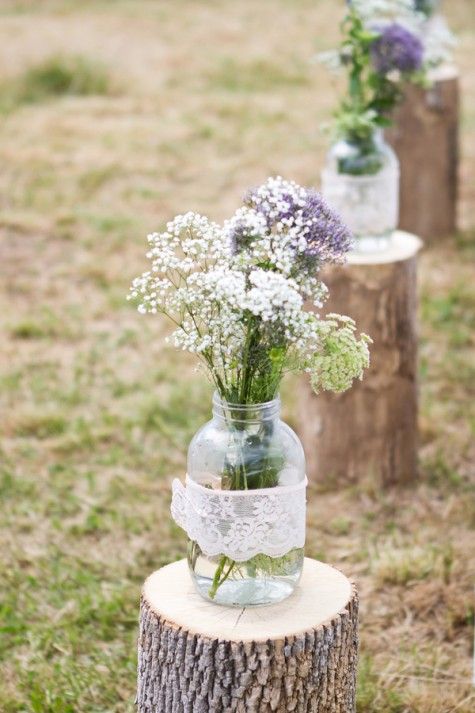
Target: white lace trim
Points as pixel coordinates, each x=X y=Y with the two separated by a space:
x=241 y=523
x=369 y=205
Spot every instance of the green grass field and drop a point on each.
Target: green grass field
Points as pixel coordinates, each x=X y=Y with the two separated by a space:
x=114 y=116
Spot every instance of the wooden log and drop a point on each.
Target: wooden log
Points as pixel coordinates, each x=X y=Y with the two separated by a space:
x=370 y=431
x=298 y=655
x=425 y=138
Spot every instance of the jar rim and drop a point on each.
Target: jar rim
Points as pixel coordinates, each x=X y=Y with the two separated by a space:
x=245 y=413
x=222 y=403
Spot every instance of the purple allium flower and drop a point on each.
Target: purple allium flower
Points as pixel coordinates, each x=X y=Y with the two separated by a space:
x=397 y=49
x=277 y=204
x=328 y=238
x=284 y=207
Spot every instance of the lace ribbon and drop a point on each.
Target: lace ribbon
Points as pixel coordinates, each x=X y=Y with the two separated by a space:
x=241 y=523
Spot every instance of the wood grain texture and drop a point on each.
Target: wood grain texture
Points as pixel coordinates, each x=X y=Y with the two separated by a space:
x=299 y=655
x=425 y=138
x=370 y=431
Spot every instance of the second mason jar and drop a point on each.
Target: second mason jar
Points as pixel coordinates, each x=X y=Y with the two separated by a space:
x=361 y=182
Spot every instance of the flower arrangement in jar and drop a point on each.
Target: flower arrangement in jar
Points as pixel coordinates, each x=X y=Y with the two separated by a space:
x=385 y=44
x=238 y=296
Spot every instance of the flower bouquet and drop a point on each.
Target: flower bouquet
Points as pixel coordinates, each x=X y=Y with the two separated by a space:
x=382 y=48
x=237 y=295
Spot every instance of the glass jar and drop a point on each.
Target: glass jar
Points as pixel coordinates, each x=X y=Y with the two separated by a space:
x=427 y=7
x=361 y=182
x=250 y=466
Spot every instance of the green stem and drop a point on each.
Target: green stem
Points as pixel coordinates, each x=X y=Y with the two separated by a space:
x=246 y=367
x=217 y=579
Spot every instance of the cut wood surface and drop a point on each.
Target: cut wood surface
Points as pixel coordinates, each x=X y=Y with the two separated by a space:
x=425 y=138
x=299 y=655
x=370 y=431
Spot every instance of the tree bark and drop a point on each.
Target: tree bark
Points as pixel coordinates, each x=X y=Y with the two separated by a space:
x=299 y=655
x=370 y=431
x=425 y=138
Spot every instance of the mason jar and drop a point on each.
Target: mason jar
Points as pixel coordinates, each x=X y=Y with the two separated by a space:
x=360 y=180
x=427 y=7
x=243 y=505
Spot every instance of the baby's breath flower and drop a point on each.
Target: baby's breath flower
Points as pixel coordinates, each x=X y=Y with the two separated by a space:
x=236 y=293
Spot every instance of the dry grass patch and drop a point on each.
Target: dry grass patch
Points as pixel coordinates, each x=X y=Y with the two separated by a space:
x=405 y=565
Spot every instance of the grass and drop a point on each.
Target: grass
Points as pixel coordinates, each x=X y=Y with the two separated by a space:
x=55 y=77
x=396 y=565
x=370 y=697
x=256 y=76
x=97 y=412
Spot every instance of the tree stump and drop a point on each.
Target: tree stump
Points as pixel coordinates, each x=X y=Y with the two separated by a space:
x=299 y=655
x=425 y=138
x=370 y=431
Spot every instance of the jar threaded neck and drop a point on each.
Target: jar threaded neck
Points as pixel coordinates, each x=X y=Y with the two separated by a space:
x=248 y=413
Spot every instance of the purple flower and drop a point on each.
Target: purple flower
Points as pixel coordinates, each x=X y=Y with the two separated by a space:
x=328 y=238
x=278 y=205
x=396 y=49
x=299 y=216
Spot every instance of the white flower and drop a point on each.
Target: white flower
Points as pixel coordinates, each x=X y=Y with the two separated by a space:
x=378 y=11
x=439 y=42
x=272 y=297
x=244 y=284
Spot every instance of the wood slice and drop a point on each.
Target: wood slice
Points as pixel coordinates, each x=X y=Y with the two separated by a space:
x=197 y=657
x=425 y=138
x=370 y=431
